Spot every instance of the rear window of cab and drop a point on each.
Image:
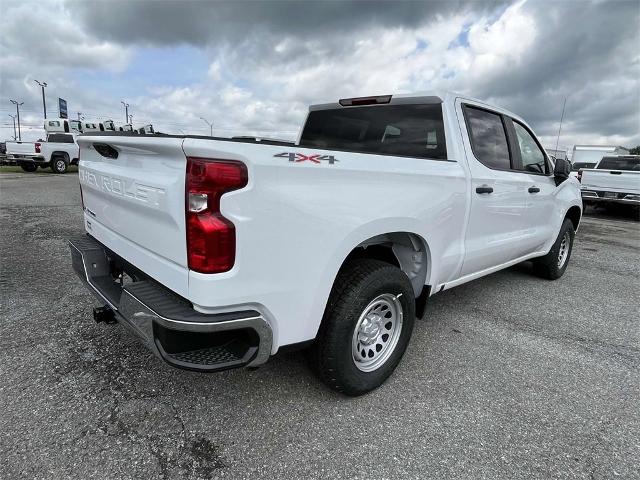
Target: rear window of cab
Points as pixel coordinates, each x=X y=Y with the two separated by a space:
x=620 y=163
x=399 y=130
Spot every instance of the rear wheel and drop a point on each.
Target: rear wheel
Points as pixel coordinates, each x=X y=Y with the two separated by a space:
x=59 y=164
x=366 y=327
x=553 y=265
x=29 y=167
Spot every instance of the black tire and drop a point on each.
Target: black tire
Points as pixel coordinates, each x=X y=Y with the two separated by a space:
x=358 y=284
x=29 y=167
x=549 y=266
x=59 y=164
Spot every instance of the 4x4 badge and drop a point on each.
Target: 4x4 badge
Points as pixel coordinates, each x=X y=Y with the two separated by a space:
x=301 y=157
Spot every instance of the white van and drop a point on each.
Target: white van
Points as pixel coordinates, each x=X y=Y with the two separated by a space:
x=92 y=127
x=57 y=125
x=76 y=126
x=145 y=129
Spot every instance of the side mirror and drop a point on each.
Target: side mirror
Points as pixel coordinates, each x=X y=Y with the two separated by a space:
x=561 y=170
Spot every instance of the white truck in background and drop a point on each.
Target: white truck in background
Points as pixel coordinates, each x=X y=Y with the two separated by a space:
x=615 y=180
x=588 y=156
x=217 y=253
x=58 y=152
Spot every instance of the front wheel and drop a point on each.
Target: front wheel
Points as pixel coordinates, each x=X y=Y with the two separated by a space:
x=366 y=327
x=59 y=165
x=553 y=265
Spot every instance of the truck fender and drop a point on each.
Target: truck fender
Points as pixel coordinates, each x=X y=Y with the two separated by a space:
x=410 y=248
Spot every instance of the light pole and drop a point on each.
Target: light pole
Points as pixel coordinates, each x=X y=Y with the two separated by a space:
x=126 y=110
x=80 y=116
x=44 y=103
x=208 y=123
x=15 y=136
x=131 y=119
x=18 y=115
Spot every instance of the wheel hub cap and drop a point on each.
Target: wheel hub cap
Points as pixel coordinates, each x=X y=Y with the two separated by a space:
x=377 y=332
x=370 y=329
x=563 y=251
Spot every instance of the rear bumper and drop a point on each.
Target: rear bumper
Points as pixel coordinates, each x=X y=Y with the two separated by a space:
x=609 y=197
x=165 y=322
x=25 y=158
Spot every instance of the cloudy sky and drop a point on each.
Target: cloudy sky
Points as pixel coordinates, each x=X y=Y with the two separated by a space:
x=253 y=67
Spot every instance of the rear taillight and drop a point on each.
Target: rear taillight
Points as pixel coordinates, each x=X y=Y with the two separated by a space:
x=580 y=175
x=37 y=145
x=211 y=238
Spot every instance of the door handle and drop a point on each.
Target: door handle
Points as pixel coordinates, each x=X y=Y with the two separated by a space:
x=534 y=189
x=484 y=189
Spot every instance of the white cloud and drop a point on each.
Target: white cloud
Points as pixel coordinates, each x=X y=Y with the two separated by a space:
x=262 y=83
x=46 y=35
x=214 y=72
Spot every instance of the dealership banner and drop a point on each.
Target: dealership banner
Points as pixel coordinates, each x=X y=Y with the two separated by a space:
x=62 y=108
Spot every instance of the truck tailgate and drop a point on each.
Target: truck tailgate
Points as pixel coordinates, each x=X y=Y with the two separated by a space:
x=138 y=198
x=623 y=181
x=21 y=148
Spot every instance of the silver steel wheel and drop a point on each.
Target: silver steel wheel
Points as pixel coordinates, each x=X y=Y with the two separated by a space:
x=60 y=165
x=377 y=332
x=563 y=252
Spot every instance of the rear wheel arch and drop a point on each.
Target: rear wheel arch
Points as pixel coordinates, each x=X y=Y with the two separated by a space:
x=62 y=154
x=398 y=249
x=407 y=251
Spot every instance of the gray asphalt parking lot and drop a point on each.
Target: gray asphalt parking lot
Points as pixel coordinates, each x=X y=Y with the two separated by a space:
x=507 y=377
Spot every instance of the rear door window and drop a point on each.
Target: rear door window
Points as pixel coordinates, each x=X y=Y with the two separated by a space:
x=402 y=130
x=620 y=163
x=488 y=138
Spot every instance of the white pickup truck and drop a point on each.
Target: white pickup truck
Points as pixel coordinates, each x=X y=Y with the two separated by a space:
x=219 y=253
x=58 y=152
x=615 y=180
